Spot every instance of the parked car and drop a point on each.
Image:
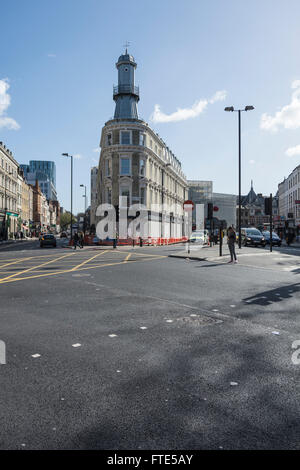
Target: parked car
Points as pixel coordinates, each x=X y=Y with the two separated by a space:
x=276 y=240
x=48 y=240
x=252 y=236
x=199 y=236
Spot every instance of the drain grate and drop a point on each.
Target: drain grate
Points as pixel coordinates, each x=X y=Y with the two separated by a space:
x=198 y=320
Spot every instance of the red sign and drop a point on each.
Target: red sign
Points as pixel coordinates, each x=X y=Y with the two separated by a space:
x=297 y=201
x=188 y=206
x=216 y=208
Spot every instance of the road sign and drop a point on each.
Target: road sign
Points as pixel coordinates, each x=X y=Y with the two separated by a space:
x=188 y=206
x=216 y=208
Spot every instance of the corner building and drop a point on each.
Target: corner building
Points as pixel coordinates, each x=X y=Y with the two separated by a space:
x=137 y=164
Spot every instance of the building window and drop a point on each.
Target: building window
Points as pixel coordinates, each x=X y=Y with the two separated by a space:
x=108 y=167
x=142 y=167
x=108 y=195
x=108 y=139
x=125 y=194
x=143 y=196
x=142 y=139
x=125 y=166
x=125 y=137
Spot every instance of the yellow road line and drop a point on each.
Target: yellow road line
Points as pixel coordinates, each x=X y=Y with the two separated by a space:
x=19 y=260
x=87 y=260
x=35 y=267
x=70 y=270
x=127 y=258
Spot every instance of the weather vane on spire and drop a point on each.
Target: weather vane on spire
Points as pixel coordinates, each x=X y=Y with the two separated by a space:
x=126 y=45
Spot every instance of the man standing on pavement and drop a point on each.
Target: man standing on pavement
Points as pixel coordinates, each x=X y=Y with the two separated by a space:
x=231 y=239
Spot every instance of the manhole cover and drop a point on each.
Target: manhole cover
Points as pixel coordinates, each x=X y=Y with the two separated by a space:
x=198 y=320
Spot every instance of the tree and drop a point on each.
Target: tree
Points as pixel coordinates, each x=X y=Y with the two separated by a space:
x=65 y=220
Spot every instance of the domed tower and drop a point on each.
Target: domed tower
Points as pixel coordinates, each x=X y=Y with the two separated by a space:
x=126 y=94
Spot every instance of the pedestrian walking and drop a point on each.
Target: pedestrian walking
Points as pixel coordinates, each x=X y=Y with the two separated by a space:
x=81 y=239
x=76 y=240
x=231 y=239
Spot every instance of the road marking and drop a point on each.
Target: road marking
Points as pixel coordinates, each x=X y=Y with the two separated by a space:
x=87 y=260
x=34 y=267
x=112 y=335
x=76 y=345
x=127 y=257
x=3 y=281
x=35 y=355
x=143 y=327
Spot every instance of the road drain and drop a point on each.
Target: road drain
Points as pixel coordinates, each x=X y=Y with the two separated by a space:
x=198 y=320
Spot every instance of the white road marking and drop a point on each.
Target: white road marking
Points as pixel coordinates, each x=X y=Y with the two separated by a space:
x=112 y=335
x=35 y=355
x=215 y=310
x=169 y=321
x=233 y=384
x=275 y=333
x=76 y=345
x=232 y=306
x=143 y=327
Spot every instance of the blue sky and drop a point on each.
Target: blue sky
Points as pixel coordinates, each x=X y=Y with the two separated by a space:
x=58 y=68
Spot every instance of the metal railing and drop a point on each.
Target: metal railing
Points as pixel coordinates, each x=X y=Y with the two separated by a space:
x=131 y=89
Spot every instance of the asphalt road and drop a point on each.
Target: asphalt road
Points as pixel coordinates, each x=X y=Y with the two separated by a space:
x=131 y=349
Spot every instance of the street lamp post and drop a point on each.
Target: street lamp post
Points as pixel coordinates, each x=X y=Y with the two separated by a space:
x=231 y=109
x=84 y=195
x=71 y=156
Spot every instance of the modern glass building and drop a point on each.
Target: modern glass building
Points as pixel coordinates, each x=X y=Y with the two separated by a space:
x=45 y=172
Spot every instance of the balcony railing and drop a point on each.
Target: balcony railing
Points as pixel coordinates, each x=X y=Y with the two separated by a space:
x=126 y=89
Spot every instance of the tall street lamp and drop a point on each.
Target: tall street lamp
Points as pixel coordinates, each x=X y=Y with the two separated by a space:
x=71 y=156
x=231 y=109
x=84 y=195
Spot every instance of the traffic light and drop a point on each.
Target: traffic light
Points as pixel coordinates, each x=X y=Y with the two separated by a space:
x=210 y=209
x=268 y=206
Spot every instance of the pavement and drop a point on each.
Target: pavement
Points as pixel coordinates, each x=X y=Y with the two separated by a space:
x=135 y=349
x=280 y=259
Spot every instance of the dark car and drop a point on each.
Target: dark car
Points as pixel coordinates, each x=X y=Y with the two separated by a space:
x=276 y=240
x=48 y=239
x=252 y=236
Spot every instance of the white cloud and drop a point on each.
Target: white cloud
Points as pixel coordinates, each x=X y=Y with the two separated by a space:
x=77 y=156
x=293 y=151
x=218 y=96
x=288 y=116
x=6 y=121
x=182 y=114
x=97 y=150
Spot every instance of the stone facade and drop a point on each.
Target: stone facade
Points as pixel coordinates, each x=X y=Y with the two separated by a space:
x=8 y=193
x=288 y=194
x=144 y=170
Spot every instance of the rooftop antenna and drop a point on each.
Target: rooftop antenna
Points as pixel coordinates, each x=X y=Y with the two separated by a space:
x=126 y=45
